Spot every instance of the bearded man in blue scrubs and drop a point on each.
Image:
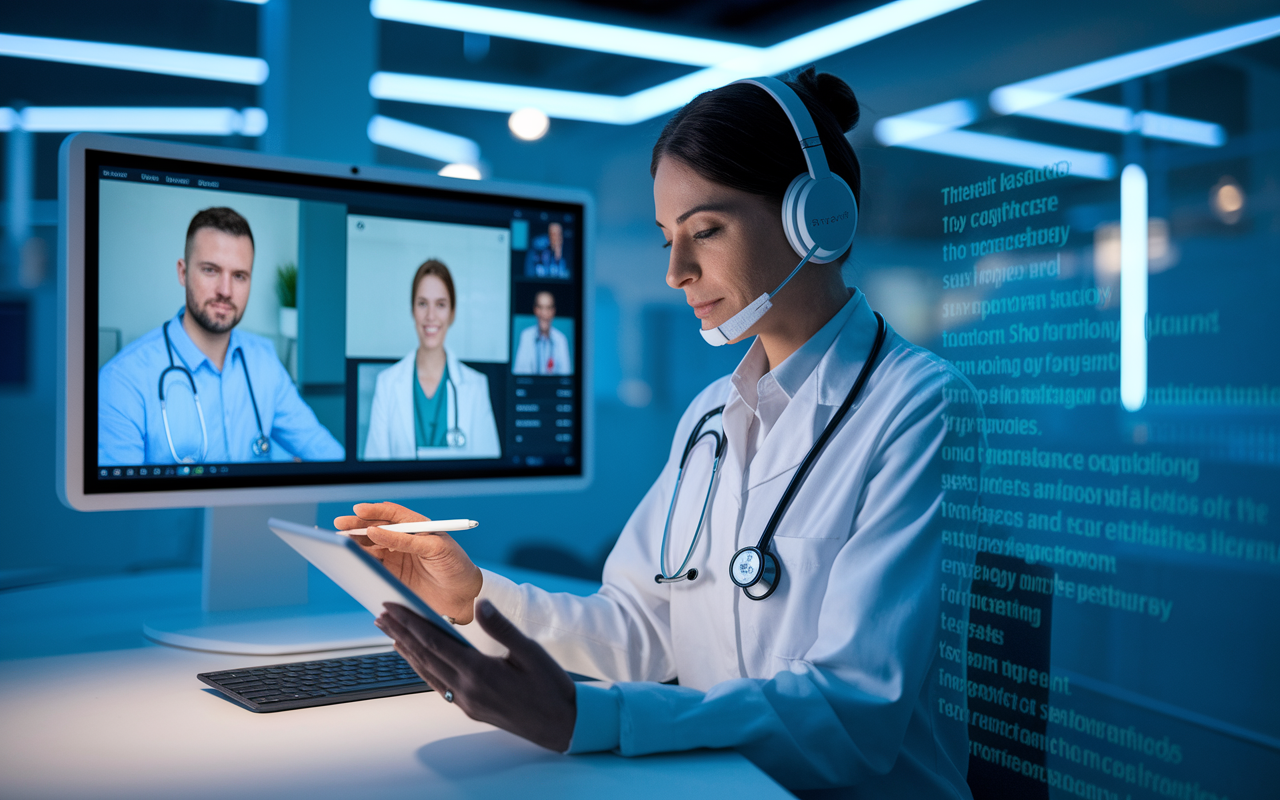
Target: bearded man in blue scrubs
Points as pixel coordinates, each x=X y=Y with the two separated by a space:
x=197 y=391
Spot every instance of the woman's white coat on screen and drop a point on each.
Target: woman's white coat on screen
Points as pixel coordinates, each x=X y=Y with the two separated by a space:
x=391 y=432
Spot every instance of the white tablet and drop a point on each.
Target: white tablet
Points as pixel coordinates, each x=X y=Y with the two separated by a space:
x=357 y=572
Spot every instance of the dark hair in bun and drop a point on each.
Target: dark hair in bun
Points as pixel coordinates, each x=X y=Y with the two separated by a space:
x=739 y=136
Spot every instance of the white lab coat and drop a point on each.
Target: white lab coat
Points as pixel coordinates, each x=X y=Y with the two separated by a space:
x=391 y=434
x=527 y=359
x=833 y=681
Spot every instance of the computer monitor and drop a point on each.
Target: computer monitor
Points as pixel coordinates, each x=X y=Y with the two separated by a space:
x=330 y=386
x=261 y=332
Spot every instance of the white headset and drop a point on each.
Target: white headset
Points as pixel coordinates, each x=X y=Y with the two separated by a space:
x=819 y=212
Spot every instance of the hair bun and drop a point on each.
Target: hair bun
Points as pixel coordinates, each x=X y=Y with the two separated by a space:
x=833 y=94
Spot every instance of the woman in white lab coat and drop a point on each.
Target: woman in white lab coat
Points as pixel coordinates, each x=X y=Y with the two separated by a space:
x=833 y=682
x=429 y=405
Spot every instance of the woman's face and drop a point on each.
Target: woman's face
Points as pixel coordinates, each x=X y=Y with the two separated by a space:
x=727 y=246
x=432 y=312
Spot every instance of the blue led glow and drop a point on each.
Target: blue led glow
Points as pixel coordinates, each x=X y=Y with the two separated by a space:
x=561 y=31
x=422 y=141
x=120 y=119
x=188 y=64
x=1133 y=287
x=1015 y=152
x=665 y=97
x=1088 y=114
x=924 y=122
x=1017 y=97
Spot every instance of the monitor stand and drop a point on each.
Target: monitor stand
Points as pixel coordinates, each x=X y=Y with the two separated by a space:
x=254 y=599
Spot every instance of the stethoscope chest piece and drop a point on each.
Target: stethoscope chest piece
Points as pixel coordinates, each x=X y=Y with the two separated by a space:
x=261 y=446
x=455 y=437
x=756 y=571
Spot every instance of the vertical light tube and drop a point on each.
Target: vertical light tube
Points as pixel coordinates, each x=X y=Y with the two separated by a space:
x=1133 y=287
x=19 y=191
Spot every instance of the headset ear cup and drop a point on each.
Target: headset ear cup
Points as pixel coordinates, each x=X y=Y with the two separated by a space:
x=822 y=212
x=792 y=222
x=770 y=576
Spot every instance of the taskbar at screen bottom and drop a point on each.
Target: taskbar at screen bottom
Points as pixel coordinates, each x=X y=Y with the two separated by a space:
x=178 y=477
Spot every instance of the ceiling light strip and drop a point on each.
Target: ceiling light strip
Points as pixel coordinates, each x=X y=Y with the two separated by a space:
x=560 y=31
x=924 y=122
x=1118 y=119
x=666 y=97
x=851 y=32
x=1027 y=94
x=506 y=98
x=1134 y=233
x=124 y=119
x=184 y=63
x=422 y=141
x=1016 y=152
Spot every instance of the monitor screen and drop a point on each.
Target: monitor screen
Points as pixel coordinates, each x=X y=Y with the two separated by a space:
x=252 y=325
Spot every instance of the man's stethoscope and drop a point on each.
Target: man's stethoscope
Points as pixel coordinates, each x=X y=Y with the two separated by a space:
x=755 y=569
x=545 y=353
x=261 y=445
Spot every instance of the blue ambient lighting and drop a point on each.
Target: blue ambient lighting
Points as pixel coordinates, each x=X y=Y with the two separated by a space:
x=1102 y=116
x=1018 y=97
x=924 y=122
x=665 y=97
x=1015 y=152
x=498 y=97
x=418 y=140
x=936 y=128
x=109 y=119
x=1133 y=287
x=560 y=31
x=1180 y=129
x=185 y=63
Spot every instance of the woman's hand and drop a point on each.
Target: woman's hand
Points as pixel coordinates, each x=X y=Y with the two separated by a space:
x=433 y=565
x=526 y=693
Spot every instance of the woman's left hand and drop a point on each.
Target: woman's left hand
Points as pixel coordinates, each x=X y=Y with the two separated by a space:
x=526 y=693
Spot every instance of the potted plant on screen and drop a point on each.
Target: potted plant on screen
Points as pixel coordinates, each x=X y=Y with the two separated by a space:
x=287 y=291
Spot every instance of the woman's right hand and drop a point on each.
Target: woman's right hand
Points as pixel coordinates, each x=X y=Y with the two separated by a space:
x=433 y=565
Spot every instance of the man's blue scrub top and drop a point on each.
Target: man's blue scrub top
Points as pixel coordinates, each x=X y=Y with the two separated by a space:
x=131 y=429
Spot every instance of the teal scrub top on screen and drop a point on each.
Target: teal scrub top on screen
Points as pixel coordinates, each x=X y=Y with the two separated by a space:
x=431 y=414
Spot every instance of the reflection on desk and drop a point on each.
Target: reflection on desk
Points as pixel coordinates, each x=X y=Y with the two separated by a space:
x=121 y=717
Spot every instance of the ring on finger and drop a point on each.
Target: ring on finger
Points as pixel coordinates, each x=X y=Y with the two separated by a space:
x=448 y=696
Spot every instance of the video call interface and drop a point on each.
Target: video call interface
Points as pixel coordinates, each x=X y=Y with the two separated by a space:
x=366 y=331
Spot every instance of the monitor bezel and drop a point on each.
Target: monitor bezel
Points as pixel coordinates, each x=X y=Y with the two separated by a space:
x=72 y=353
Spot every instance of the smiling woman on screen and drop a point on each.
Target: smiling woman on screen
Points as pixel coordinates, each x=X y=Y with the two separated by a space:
x=429 y=405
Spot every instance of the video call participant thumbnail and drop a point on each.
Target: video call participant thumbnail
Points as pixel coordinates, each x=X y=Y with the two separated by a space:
x=547 y=258
x=429 y=404
x=543 y=350
x=195 y=390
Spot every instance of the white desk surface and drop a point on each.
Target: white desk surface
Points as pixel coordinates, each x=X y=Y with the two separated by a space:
x=88 y=708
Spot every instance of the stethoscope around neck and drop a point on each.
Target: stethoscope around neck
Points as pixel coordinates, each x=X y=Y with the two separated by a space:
x=261 y=445
x=454 y=437
x=755 y=569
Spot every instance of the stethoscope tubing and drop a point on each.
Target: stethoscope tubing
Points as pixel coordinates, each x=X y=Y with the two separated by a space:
x=261 y=444
x=811 y=457
x=720 y=443
x=454 y=437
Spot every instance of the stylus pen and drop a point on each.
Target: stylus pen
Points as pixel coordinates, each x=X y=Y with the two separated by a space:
x=426 y=526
